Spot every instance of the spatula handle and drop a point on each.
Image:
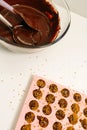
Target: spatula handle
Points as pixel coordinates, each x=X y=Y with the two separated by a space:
x=5 y=21
x=6 y=6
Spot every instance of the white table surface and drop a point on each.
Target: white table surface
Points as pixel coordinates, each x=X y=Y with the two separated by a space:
x=64 y=62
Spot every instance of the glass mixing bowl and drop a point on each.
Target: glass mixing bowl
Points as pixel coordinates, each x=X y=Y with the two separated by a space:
x=65 y=18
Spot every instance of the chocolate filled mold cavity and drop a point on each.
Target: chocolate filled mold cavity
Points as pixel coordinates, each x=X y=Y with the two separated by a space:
x=70 y=128
x=50 y=98
x=57 y=126
x=75 y=108
x=37 y=93
x=60 y=114
x=41 y=83
x=73 y=119
x=43 y=121
x=29 y=117
x=85 y=112
x=84 y=123
x=51 y=106
x=65 y=92
x=62 y=103
x=33 y=105
x=77 y=97
x=26 y=127
x=53 y=88
x=47 y=109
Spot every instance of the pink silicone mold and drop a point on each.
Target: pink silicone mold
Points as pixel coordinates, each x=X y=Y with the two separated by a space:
x=51 y=106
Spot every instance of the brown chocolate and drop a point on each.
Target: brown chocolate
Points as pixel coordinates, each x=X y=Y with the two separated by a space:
x=65 y=92
x=53 y=88
x=86 y=101
x=84 y=123
x=57 y=126
x=77 y=97
x=41 y=83
x=70 y=128
x=29 y=117
x=33 y=104
x=75 y=108
x=73 y=119
x=26 y=127
x=47 y=109
x=43 y=121
x=40 y=23
x=62 y=103
x=50 y=98
x=60 y=114
x=85 y=112
x=38 y=34
x=37 y=93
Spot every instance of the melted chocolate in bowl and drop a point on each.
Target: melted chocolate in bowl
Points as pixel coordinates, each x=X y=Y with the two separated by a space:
x=42 y=17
